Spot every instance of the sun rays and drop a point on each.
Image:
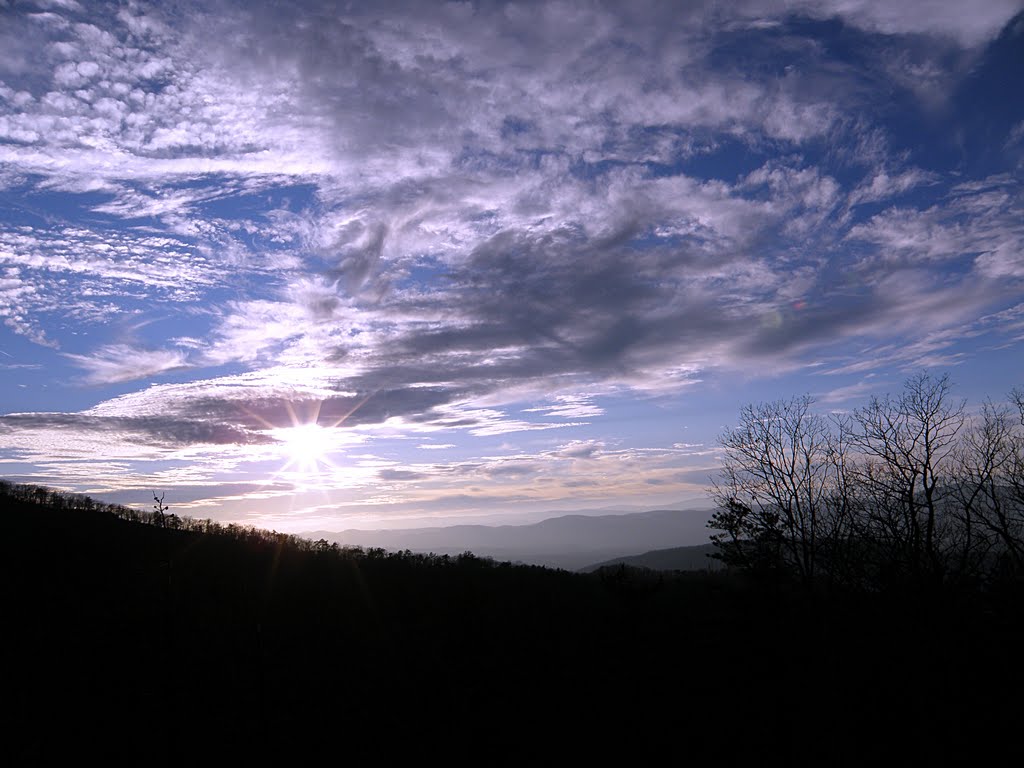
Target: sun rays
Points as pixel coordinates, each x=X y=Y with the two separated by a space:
x=306 y=446
x=309 y=443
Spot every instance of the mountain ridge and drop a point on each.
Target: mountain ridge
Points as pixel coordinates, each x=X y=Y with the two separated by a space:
x=692 y=558
x=568 y=541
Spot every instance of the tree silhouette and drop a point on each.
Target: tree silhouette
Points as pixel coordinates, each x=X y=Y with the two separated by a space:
x=907 y=443
x=778 y=477
x=905 y=490
x=160 y=509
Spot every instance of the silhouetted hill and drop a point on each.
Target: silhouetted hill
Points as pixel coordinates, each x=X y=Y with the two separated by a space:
x=567 y=541
x=675 y=559
x=165 y=642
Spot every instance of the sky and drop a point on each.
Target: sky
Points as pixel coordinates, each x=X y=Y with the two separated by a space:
x=316 y=266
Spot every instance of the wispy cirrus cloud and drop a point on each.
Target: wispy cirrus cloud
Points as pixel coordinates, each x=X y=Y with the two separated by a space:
x=121 y=362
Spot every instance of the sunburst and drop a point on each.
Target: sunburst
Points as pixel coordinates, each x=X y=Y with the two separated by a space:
x=306 y=446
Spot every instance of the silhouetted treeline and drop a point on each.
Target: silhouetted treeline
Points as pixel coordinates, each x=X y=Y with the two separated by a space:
x=910 y=492
x=136 y=638
x=61 y=500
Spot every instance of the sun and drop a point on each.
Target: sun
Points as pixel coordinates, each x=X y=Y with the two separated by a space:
x=306 y=446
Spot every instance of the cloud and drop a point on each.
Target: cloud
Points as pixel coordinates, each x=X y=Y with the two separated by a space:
x=883 y=186
x=120 y=362
x=579 y=449
x=477 y=220
x=399 y=475
x=980 y=220
x=969 y=26
x=149 y=429
x=570 y=407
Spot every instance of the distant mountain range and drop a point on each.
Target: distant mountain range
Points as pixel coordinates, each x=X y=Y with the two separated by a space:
x=697 y=558
x=572 y=541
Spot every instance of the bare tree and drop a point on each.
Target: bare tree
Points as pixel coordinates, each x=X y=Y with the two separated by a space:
x=990 y=485
x=904 y=473
x=777 y=486
x=905 y=490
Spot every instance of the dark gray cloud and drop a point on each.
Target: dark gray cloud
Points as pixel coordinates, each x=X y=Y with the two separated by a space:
x=528 y=307
x=149 y=430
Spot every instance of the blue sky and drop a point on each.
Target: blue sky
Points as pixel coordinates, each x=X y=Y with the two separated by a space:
x=506 y=259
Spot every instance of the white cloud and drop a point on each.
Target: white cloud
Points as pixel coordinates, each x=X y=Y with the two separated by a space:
x=120 y=362
x=969 y=24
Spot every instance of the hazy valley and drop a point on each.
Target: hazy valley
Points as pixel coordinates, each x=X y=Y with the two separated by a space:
x=571 y=541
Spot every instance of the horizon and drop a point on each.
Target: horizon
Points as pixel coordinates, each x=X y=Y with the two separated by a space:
x=410 y=265
x=516 y=520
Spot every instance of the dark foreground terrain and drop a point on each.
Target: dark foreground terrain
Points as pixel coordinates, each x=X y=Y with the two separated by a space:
x=133 y=641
